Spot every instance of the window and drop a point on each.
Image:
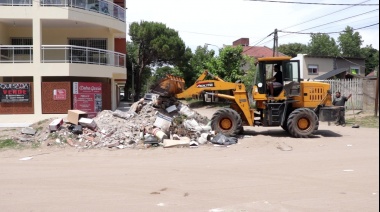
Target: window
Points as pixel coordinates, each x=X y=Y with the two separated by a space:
x=21 y=42
x=312 y=69
x=81 y=55
x=355 y=70
x=93 y=43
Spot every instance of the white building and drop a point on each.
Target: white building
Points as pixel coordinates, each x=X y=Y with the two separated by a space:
x=50 y=49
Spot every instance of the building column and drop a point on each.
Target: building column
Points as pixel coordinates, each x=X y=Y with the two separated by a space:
x=114 y=102
x=36 y=64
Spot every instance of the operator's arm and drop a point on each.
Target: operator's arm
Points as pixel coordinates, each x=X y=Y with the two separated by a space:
x=349 y=96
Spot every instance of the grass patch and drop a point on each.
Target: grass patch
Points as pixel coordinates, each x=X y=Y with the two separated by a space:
x=35 y=145
x=42 y=121
x=8 y=144
x=365 y=121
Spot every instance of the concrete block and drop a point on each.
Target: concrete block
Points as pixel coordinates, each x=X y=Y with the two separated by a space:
x=55 y=124
x=87 y=122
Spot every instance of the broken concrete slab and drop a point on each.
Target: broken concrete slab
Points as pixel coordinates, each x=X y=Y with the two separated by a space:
x=183 y=142
x=28 y=131
x=171 y=108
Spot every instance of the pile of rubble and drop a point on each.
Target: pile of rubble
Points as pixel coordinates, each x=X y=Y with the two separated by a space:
x=162 y=122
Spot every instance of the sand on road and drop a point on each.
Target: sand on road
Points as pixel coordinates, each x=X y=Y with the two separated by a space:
x=336 y=170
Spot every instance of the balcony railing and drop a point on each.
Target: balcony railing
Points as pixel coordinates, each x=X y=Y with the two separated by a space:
x=16 y=54
x=99 y=6
x=61 y=54
x=78 y=54
x=16 y=2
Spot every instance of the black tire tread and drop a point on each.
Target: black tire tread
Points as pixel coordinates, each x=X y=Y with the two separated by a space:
x=302 y=113
x=231 y=114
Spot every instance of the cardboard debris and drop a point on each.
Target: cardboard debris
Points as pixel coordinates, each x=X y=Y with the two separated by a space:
x=73 y=116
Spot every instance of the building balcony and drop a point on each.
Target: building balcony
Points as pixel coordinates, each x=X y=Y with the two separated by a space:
x=99 y=6
x=16 y=2
x=62 y=54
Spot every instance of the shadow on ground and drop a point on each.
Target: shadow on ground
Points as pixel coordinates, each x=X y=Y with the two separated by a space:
x=283 y=134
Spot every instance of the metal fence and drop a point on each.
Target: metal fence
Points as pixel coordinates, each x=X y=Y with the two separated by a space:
x=347 y=87
x=79 y=54
x=16 y=53
x=62 y=54
x=16 y=2
x=100 y=6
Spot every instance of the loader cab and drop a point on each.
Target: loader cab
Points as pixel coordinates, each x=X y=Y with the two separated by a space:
x=290 y=75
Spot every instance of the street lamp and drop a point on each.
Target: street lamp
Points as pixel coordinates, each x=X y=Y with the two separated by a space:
x=208 y=44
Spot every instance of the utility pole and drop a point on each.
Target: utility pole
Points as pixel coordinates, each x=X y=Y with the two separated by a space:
x=275 y=43
x=377 y=91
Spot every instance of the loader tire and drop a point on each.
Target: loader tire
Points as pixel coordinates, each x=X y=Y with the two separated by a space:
x=285 y=127
x=227 y=121
x=302 y=122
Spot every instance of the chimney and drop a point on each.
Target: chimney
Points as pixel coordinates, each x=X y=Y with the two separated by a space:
x=241 y=41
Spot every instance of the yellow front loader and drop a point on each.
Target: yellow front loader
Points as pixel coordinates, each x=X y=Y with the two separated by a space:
x=297 y=106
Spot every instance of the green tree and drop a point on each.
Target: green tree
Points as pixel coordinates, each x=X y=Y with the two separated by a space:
x=322 y=45
x=350 y=43
x=131 y=64
x=249 y=72
x=157 y=45
x=371 y=56
x=200 y=61
x=228 y=65
x=292 y=49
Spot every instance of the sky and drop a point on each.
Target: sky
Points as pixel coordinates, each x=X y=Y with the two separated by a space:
x=221 y=22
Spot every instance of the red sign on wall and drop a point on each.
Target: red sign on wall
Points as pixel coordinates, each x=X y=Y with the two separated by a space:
x=59 y=94
x=87 y=97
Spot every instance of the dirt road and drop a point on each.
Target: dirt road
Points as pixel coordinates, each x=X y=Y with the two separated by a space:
x=336 y=170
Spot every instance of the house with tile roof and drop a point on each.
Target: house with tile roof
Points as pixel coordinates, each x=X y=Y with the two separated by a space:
x=255 y=51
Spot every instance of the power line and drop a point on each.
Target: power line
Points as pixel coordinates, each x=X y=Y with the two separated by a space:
x=324 y=15
x=331 y=22
x=315 y=19
x=310 y=33
x=314 y=3
x=263 y=39
x=340 y=20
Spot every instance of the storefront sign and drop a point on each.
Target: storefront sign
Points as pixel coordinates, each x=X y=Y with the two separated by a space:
x=14 y=92
x=87 y=97
x=59 y=94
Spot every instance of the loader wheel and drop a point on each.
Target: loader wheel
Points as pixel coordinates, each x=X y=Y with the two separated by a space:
x=285 y=127
x=227 y=121
x=302 y=122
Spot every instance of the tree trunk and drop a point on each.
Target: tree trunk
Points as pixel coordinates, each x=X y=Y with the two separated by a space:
x=138 y=86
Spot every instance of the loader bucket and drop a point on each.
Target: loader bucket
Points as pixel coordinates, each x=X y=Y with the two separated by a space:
x=169 y=86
